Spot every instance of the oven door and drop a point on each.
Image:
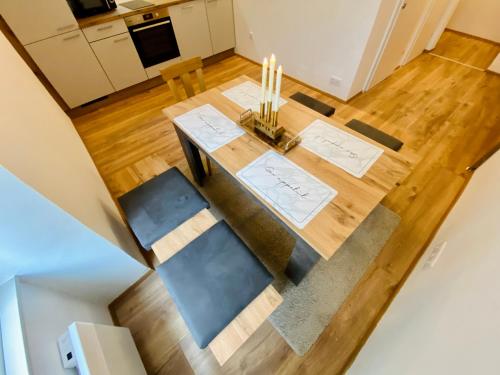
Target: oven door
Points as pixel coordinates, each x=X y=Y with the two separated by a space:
x=155 y=41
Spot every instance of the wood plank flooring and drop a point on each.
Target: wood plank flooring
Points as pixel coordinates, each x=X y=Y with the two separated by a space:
x=467 y=49
x=447 y=114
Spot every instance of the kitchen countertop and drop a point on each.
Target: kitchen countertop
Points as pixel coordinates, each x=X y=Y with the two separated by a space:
x=121 y=12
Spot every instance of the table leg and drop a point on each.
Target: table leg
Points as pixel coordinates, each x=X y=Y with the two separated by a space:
x=193 y=157
x=303 y=257
x=301 y=261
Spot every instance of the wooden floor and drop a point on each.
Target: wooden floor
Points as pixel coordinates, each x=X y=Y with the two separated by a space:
x=447 y=114
x=467 y=49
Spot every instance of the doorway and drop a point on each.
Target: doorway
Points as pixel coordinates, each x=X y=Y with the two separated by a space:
x=407 y=18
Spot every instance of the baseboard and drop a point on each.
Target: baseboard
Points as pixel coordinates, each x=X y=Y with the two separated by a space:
x=112 y=307
x=473 y=37
x=304 y=83
x=136 y=89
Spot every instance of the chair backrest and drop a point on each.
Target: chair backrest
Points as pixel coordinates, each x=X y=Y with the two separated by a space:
x=182 y=70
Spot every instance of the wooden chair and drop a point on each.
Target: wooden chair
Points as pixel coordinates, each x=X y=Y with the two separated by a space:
x=183 y=72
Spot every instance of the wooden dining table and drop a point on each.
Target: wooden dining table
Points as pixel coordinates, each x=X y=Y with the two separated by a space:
x=355 y=199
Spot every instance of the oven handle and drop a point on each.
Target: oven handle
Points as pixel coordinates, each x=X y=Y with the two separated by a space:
x=150 y=26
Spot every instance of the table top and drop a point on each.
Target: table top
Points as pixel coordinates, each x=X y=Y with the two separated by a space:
x=356 y=197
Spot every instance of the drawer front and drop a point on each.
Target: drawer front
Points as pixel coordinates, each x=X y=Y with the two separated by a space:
x=105 y=30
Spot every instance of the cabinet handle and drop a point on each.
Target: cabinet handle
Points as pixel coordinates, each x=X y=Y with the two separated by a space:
x=120 y=40
x=104 y=27
x=211 y=1
x=187 y=6
x=150 y=26
x=65 y=27
x=72 y=36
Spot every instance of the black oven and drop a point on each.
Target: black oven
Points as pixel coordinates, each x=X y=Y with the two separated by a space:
x=85 y=8
x=153 y=36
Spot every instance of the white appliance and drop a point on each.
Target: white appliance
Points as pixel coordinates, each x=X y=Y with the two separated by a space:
x=96 y=349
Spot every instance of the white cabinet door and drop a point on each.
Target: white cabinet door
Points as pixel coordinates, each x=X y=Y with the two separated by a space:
x=70 y=65
x=221 y=23
x=120 y=60
x=34 y=20
x=191 y=29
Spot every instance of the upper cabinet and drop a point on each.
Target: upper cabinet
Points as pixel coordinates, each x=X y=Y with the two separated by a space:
x=34 y=20
x=191 y=29
x=70 y=65
x=221 y=23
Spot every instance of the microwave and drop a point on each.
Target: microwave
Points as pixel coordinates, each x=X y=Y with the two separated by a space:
x=86 y=8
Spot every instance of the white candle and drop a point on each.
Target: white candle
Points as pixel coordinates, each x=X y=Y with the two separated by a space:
x=276 y=102
x=265 y=66
x=272 y=65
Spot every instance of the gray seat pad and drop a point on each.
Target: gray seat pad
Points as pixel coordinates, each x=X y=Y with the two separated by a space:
x=314 y=104
x=375 y=134
x=212 y=280
x=160 y=205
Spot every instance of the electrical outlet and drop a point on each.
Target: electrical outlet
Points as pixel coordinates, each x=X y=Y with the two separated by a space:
x=334 y=80
x=434 y=255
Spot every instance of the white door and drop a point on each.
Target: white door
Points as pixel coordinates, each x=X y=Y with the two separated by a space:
x=34 y=20
x=191 y=29
x=71 y=67
x=221 y=23
x=120 y=60
x=399 y=39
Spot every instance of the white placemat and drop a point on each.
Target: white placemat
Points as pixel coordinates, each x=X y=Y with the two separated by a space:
x=343 y=149
x=208 y=127
x=247 y=96
x=289 y=189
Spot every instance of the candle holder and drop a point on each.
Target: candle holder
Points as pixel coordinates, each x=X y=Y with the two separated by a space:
x=264 y=125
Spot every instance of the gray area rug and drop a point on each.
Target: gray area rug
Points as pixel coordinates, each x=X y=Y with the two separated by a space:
x=309 y=307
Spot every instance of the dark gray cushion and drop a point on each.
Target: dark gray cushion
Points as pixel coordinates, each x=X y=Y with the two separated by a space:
x=160 y=205
x=212 y=280
x=314 y=104
x=375 y=134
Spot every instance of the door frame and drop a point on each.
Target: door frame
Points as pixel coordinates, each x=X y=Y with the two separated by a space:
x=421 y=23
x=388 y=31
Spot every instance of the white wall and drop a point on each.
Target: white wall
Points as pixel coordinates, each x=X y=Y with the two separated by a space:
x=2 y=363
x=314 y=40
x=39 y=144
x=13 y=341
x=446 y=319
x=46 y=315
x=478 y=17
x=495 y=65
x=41 y=241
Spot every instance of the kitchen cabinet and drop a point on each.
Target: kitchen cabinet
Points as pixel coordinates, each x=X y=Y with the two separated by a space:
x=70 y=65
x=120 y=60
x=221 y=23
x=34 y=20
x=191 y=29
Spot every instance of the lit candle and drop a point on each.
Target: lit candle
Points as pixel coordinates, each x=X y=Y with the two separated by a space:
x=277 y=95
x=265 y=66
x=272 y=65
